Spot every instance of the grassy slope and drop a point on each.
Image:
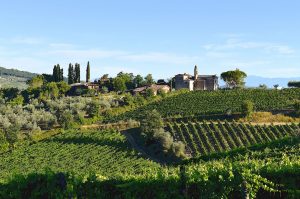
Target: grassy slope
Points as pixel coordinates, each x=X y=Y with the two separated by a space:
x=106 y=153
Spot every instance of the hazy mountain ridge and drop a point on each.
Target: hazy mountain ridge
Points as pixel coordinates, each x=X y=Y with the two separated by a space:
x=254 y=81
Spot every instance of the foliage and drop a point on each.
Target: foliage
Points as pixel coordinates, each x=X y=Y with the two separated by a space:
x=19 y=100
x=88 y=72
x=149 y=79
x=93 y=108
x=294 y=84
x=77 y=73
x=119 y=84
x=247 y=108
x=150 y=122
x=71 y=74
x=57 y=74
x=234 y=78
x=36 y=82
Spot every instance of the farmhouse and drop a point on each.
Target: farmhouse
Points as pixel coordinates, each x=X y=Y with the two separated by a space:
x=196 y=82
x=154 y=87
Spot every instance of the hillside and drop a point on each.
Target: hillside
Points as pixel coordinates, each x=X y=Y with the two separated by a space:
x=197 y=103
x=106 y=153
x=14 y=78
x=202 y=138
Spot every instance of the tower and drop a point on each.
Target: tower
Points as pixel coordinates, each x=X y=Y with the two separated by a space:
x=195 y=72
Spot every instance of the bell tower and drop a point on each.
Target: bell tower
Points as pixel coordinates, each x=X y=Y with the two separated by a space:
x=196 y=72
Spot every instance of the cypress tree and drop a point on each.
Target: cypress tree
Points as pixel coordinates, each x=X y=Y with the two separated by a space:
x=88 y=72
x=71 y=74
x=77 y=73
x=61 y=75
x=57 y=73
x=54 y=74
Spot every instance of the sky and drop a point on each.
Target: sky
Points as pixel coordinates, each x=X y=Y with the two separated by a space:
x=163 y=38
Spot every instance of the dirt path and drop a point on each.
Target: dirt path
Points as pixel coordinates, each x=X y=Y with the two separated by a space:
x=138 y=148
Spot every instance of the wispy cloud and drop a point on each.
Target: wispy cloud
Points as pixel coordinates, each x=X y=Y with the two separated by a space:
x=237 y=44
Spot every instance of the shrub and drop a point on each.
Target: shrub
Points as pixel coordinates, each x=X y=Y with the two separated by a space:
x=178 y=149
x=164 y=139
x=93 y=109
x=66 y=120
x=247 y=108
x=150 y=122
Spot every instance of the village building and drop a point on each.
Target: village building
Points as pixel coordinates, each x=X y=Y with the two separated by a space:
x=196 y=82
x=154 y=87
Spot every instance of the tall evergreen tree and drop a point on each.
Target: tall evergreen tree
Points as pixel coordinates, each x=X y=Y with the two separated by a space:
x=88 y=72
x=71 y=74
x=57 y=73
x=77 y=73
x=54 y=72
x=61 y=75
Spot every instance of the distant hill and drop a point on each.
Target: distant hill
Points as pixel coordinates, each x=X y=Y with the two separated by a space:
x=16 y=73
x=254 y=81
x=14 y=78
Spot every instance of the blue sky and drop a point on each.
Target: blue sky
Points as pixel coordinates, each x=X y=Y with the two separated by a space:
x=159 y=37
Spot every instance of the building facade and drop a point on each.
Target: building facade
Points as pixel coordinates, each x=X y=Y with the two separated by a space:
x=196 y=82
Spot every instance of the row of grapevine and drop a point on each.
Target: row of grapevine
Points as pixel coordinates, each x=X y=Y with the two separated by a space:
x=207 y=137
x=217 y=102
x=105 y=152
x=271 y=173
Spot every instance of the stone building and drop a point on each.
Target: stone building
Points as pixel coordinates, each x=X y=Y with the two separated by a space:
x=154 y=87
x=196 y=82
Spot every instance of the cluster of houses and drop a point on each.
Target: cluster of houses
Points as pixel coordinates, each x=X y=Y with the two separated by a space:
x=182 y=81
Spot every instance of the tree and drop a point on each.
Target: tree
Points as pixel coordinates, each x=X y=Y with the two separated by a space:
x=93 y=108
x=119 y=84
x=70 y=74
x=263 y=86
x=138 y=81
x=57 y=73
x=54 y=74
x=150 y=122
x=63 y=88
x=234 y=78
x=149 y=79
x=247 y=108
x=19 y=100
x=36 y=82
x=276 y=86
x=88 y=72
x=77 y=73
x=50 y=91
x=295 y=84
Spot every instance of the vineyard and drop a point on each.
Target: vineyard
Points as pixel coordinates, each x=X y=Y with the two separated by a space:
x=203 y=138
x=270 y=173
x=105 y=152
x=217 y=102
